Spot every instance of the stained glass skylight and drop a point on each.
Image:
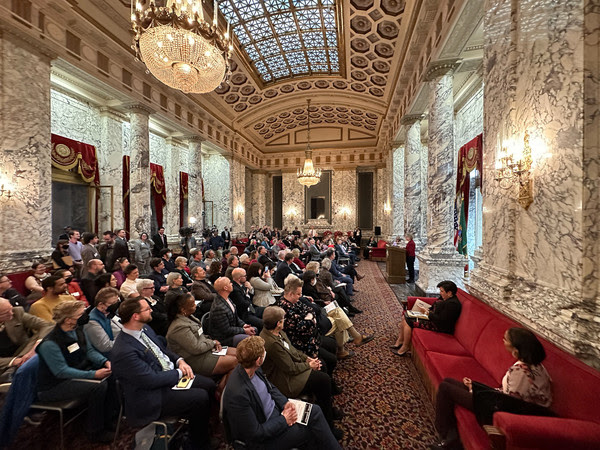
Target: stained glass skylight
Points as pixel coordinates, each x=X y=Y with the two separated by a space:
x=286 y=38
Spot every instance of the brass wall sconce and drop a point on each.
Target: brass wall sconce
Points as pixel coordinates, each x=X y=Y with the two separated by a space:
x=6 y=187
x=239 y=212
x=510 y=170
x=345 y=212
x=387 y=208
x=292 y=213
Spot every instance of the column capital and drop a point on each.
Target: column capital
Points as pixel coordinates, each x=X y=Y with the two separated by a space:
x=106 y=111
x=195 y=138
x=410 y=119
x=440 y=68
x=397 y=143
x=139 y=108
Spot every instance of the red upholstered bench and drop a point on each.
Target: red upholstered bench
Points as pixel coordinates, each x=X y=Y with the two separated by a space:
x=18 y=281
x=476 y=351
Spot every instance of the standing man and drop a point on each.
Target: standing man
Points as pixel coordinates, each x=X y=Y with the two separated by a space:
x=410 y=257
x=106 y=250
x=148 y=371
x=121 y=249
x=75 y=248
x=226 y=236
x=160 y=242
x=88 y=283
x=89 y=252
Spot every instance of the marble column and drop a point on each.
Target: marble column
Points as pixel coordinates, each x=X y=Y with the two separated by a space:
x=110 y=162
x=218 y=189
x=343 y=197
x=293 y=201
x=238 y=196
x=25 y=166
x=397 y=201
x=248 y=191
x=268 y=201
x=412 y=176
x=195 y=174
x=171 y=171
x=259 y=199
x=439 y=259
x=140 y=193
x=424 y=168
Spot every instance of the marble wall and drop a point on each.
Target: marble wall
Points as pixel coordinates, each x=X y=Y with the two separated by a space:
x=218 y=189
x=24 y=155
x=344 y=198
x=191 y=163
x=238 y=196
x=293 y=201
x=541 y=265
x=248 y=193
x=259 y=199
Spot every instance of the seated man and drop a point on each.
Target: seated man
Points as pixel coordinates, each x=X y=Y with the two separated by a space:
x=327 y=264
x=442 y=315
x=54 y=293
x=66 y=360
x=342 y=252
x=148 y=371
x=240 y=296
x=225 y=325
x=20 y=333
x=159 y=277
x=257 y=414
x=160 y=322
x=9 y=293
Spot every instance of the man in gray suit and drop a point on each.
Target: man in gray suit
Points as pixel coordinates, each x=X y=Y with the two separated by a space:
x=315 y=254
x=20 y=333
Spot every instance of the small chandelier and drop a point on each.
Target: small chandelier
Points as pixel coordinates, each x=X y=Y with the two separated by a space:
x=178 y=46
x=308 y=175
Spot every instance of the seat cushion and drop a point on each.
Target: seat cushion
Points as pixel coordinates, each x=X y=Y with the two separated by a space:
x=440 y=366
x=472 y=435
x=430 y=341
x=473 y=317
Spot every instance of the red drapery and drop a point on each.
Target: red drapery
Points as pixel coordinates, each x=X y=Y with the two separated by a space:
x=183 y=195
x=126 y=197
x=159 y=192
x=68 y=154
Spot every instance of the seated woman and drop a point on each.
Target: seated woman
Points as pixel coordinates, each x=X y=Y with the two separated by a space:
x=442 y=317
x=119 y=270
x=175 y=283
x=33 y=282
x=185 y=338
x=72 y=285
x=301 y=323
x=65 y=359
x=60 y=256
x=291 y=371
x=371 y=244
x=262 y=288
x=182 y=269
x=101 y=330
x=129 y=287
x=214 y=271
x=257 y=414
x=323 y=294
x=527 y=379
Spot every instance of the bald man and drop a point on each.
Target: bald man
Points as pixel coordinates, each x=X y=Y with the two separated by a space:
x=20 y=333
x=225 y=325
x=240 y=296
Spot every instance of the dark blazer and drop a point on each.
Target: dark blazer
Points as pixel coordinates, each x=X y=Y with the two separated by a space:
x=445 y=313
x=224 y=323
x=315 y=254
x=143 y=380
x=120 y=249
x=159 y=244
x=160 y=280
x=89 y=287
x=264 y=260
x=335 y=270
x=283 y=270
x=240 y=300
x=226 y=236
x=243 y=412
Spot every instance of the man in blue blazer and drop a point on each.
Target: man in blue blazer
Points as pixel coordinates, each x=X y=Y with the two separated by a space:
x=148 y=371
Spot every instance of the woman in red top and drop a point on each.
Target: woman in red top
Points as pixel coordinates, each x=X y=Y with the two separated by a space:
x=410 y=257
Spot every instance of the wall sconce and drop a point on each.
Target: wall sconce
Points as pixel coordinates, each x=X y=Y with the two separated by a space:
x=512 y=167
x=239 y=212
x=345 y=212
x=192 y=221
x=387 y=208
x=6 y=187
x=292 y=213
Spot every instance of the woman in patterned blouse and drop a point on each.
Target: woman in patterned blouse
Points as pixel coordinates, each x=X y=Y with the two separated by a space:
x=527 y=379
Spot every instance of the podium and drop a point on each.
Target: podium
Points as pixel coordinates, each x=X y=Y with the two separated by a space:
x=395 y=270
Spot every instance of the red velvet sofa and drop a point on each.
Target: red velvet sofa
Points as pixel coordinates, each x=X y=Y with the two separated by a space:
x=476 y=351
x=378 y=253
x=18 y=281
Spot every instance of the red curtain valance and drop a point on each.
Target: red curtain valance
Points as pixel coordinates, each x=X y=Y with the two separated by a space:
x=68 y=154
x=183 y=194
x=159 y=191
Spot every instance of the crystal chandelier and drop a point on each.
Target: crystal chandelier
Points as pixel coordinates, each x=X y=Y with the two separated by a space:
x=308 y=175
x=178 y=46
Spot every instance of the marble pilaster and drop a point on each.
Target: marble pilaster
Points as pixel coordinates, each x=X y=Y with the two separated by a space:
x=546 y=272
x=140 y=209
x=217 y=188
x=110 y=163
x=259 y=199
x=238 y=196
x=171 y=170
x=397 y=200
x=25 y=164
x=343 y=196
x=412 y=177
x=439 y=259
x=268 y=201
x=424 y=169
x=248 y=191
x=195 y=174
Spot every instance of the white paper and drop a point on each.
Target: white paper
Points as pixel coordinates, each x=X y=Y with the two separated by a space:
x=303 y=410
x=331 y=306
x=420 y=304
x=223 y=351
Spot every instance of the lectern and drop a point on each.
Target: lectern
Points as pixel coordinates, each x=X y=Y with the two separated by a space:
x=396 y=265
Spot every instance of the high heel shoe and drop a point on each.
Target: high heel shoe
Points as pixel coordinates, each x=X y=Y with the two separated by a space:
x=397 y=353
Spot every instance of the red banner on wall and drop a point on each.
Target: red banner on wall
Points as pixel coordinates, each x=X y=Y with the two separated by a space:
x=183 y=195
x=159 y=191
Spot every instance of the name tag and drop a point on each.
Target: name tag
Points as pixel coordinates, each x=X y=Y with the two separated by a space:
x=75 y=294
x=73 y=347
x=286 y=345
x=200 y=331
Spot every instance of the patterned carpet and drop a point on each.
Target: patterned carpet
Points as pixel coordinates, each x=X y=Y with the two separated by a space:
x=385 y=402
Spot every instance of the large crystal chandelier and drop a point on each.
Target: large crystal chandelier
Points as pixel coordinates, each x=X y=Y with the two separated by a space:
x=308 y=176
x=179 y=46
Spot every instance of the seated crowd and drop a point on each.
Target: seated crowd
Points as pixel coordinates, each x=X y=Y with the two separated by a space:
x=212 y=315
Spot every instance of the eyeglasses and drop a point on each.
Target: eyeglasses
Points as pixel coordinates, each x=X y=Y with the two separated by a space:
x=149 y=287
x=145 y=309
